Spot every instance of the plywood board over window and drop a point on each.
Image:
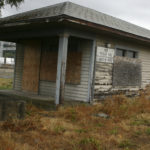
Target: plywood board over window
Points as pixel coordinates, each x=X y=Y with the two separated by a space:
x=126 y=72
x=73 y=72
x=48 y=69
x=31 y=67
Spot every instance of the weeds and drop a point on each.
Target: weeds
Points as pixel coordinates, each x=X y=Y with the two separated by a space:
x=114 y=131
x=81 y=131
x=59 y=129
x=126 y=144
x=100 y=125
x=77 y=128
x=90 y=143
x=148 y=131
x=141 y=122
x=138 y=133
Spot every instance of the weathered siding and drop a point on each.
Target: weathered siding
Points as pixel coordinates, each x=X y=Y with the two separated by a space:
x=47 y=88
x=19 y=67
x=73 y=92
x=103 y=78
x=144 y=55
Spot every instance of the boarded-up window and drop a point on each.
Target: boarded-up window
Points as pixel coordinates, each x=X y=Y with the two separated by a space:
x=48 y=67
x=73 y=72
x=126 y=72
x=30 y=79
x=49 y=57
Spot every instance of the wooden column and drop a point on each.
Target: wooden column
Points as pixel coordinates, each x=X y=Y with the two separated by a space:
x=92 y=71
x=61 y=69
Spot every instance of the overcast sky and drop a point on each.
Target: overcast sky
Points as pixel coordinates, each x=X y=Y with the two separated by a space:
x=134 y=11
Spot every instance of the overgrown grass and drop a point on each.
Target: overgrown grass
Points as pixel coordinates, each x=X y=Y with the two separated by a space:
x=78 y=128
x=5 y=84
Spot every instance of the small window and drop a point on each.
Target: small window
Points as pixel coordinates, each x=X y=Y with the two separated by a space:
x=131 y=54
x=126 y=53
x=120 y=52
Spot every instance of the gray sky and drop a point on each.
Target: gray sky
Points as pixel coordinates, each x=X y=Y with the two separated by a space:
x=134 y=11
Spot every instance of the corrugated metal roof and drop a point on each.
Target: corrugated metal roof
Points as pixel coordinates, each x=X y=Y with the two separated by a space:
x=79 y=12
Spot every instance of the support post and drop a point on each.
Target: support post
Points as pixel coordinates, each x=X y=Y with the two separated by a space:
x=92 y=72
x=61 y=69
x=17 y=47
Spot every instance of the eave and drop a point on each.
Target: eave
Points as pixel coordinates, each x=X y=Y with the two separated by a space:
x=5 y=27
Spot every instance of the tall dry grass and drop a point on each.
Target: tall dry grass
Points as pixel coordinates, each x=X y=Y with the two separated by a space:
x=79 y=128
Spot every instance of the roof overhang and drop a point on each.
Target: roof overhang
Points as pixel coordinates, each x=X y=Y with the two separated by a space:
x=6 y=28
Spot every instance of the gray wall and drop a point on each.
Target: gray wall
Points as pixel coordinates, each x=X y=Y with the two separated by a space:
x=104 y=71
x=73 y=92
x=18 y=67
x=103 y=76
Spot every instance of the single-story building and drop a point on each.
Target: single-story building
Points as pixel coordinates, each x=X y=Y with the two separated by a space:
x=71 y=52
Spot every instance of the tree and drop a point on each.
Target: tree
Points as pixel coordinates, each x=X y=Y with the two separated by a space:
x=10 y=2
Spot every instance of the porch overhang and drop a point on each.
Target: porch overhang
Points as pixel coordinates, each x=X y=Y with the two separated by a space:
x=14 y=30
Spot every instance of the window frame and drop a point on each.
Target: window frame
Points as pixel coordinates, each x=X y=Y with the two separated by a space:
x=127 y=49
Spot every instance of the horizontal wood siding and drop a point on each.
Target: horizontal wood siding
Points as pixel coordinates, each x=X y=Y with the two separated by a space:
x=144 y=55
x=73 y=91
x=19 y=67
x=103 y=75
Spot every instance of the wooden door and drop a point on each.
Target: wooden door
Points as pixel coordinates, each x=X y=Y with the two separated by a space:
x=32 y=52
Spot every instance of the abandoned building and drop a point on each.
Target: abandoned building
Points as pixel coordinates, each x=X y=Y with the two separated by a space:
x=70 y=52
